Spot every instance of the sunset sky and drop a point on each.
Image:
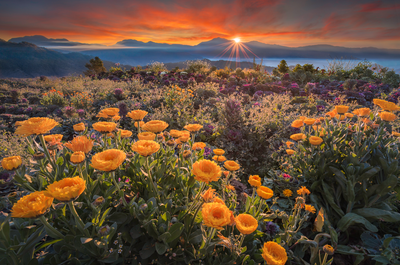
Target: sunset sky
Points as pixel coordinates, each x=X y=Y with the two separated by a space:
x=293 y=23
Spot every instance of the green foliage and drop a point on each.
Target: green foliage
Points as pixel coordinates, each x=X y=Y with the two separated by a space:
x=392 y=79
x=95 y=67
x=283 y=68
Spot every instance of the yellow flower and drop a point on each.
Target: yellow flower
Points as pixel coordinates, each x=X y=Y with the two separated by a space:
x=66 y=189
x=219 y=152
x=53 y=137
x=231 y=165
x=108 y=113
x=349 y=115
x=125 y=133
x=386 y=105
x=184 y=136
x=137 y=115
x=289 y=144
x=80 y=143
x=298 y=136
x=310 y=208
x=147 y=136
x=145 y=147
x=104 y=127
x=230 y=187
x=155 y=126
x=396 y=134
x=387 y=116
x=80 y=127
x=198 y=146
x=208 y=195
x=302 y=118
x=287 y=193
x=141 y=123
x=32 y=205
x=265 y=192
x=246 y=224
x=297 y=123
x=315 y=140
x=341 y=109
x=35 y=126
x=328 y=249
x=206 y=171
x=309 y=121
x=218 y=200
x=77 y=157
x=216 y=215
x=255 y=180
x=290 y=151
x=175 y=133
x=11 y=162
x=303 y=191
x=108 y=160
x=193 y=127
x=362 y=112
x=116 y=118
x=274 y=254
x=341 y=117
x=331 y=114
x=219 y=158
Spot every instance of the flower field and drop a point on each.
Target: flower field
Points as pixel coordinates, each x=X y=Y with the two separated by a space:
x=201 y=166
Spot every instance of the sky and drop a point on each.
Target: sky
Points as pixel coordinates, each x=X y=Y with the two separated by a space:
x=293 y=23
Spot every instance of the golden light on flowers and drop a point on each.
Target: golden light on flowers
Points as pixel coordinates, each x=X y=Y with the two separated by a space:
x=341 y=117
x=116 y=118
x=145 y=147
x=108 y=113
x=36 y=126
x=216 y=215
x=206 y=171
x=387 y=116
x=141 y=123
x=341 y=109
x=125 y=133
x=193 y=127
x=246 y=224
x=155 y=126
x=137 y=115
x=184 y=136
x=386 y=105
x=362 y=112
x=208 y=195
x=297 y=123
x=219 y=158
x=290 y=151
x=255 y=181
x=265 y=192
x=108 y=160
x=104 y=126
x=230 y=187
x=396 y=134
x=80 y=143
x=52 y=137
x=32 y=205
x=78 y=157
x=11 y=162
x=219 y=152
x=231 y=165
x=302 y=118
x=79 y=127
x=349 y=115
x=274 y=254
x=287 y=193
x=175 y=133
x=310 y=208
x=309 y=121
x=66 y=189
x=289 y=144
x=298 y=136
x=303 y=191
x=315 y=140
x=198 y=146
x=147 y=136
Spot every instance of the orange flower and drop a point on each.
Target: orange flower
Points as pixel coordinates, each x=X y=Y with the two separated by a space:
x=332 y=113
x=315 y=140
x=341 y=109
x=290 y=151
x=198 y=146
x=218 y=200
x=348 y=115
x=78 y=157
x=206 y=171
x=297 y=123
x=219 y=152
x=108 y=160
x=396 y=134
x=145 y=147
x=274 y=254
x=32 y=205
x=230 y=187
x=155 y=126
x=137 y=115
x=386 y=105
x=66 y=189
x=309 y=121
x=108 y=113
x=125 y=133
x=193 y=127
x=11 y=163
x=289 y=144
x=216 y=215
x=298 y=136
x=184 y=136
x=287 y=193
x=265 y=192
x=141 y=123
x=310 y=208
x=52 y=137
x=147 y=136
x=104 y=127
x=362 y=112
x=387 y=116
x=36 y=126
x=175 y=133
x=328 y=249
x=246 y=224
x=208 y=195
x=231 y=165
x=255 y=180
x=303 y=191
x=116 y=118
x=302 y=118
x=80 y=127
x=219 y=158
x=80 y=143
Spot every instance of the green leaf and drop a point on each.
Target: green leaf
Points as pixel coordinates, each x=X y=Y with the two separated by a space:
x=164 y=236
x=161 y=248
x=118 y=217
x=196 y=237
x=60 y=161
x=147 y=250
x=351 y=219
x=136 y=232
x=175 y=231
x=373 y=214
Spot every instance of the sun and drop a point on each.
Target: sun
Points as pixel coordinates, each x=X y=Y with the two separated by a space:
x=237 y=40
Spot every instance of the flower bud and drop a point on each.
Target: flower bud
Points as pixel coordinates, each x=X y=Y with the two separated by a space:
x=186 y=154
x=171 y=143
x=328 y=249
x=99 y=201
x=38 y=156
x=130 y=155
x=143 y=207
x=104 y=230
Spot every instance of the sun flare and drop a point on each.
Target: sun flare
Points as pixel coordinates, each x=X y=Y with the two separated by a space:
x=237 y=40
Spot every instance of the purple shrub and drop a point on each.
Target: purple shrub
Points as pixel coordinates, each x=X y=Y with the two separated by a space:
x=119 y=93
x=69 y=111
x=235 y=136
x=271 y=228
x=24 y=100
x=123 y=109
x=81 y=112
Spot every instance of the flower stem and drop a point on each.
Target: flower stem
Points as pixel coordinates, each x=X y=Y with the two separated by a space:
x=120 y=192
x=50 y=228
x=241 y=242
x=46 y=151
x=151 y=179
x=79 y=221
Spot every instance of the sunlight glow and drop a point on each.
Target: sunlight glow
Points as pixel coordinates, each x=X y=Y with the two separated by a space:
x=237 y=40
